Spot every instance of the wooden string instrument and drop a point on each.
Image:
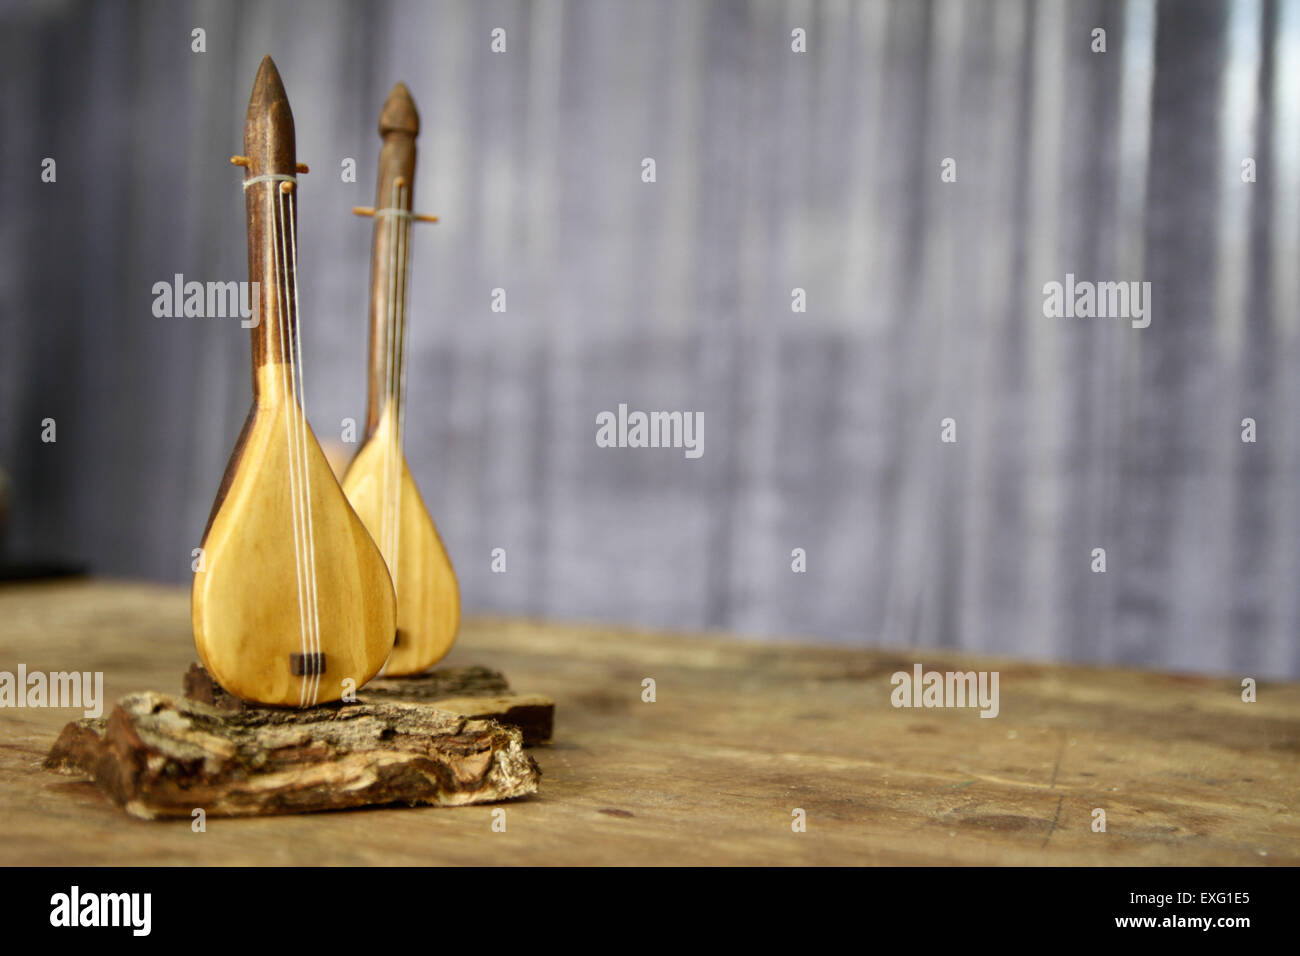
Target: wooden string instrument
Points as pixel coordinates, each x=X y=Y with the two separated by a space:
x=378 y=482
x=292 y=601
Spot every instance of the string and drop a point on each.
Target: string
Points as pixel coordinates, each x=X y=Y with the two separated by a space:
x=300 y=381
x=389 y=347
x=403 y=280
x=389 y=511
x=394 y=378
x=393 y=486
x=283 y=346
x=395 y=373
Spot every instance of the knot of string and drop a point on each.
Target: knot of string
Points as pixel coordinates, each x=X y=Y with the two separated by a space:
x=395 y=211
x=270 y=178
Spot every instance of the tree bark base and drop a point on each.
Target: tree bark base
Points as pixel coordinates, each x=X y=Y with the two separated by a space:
x=476 y=692
x=159 y=756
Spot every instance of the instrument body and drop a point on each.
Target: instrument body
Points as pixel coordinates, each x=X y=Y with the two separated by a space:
x=378 y=482
x=292 y=602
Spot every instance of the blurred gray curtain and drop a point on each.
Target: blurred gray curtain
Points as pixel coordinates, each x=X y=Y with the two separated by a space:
x=776 y=170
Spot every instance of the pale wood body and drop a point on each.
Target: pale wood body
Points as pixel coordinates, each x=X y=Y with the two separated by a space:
x=428 y=599
x=246 y=610
x=378 y=482
x=292 y=603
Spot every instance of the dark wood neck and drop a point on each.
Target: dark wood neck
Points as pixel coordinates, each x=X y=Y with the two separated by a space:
x=399 y=124
x=271 y=205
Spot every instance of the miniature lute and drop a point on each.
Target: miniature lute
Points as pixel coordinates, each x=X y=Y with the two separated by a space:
x=292 y=603
x=379 y=482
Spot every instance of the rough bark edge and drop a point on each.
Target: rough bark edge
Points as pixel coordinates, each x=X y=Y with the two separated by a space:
x=470 y=691
x=158 y=756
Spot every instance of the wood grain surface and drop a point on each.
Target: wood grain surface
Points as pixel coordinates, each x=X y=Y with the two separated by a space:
x=740 y=735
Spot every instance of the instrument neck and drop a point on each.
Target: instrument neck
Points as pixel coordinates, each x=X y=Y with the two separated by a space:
x=389 y=274
x=272 y=264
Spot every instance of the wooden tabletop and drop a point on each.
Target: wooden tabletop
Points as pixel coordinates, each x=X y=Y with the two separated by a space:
x=739 y=737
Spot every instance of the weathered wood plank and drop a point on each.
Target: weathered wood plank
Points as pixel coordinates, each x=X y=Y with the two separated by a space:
x=739 y=736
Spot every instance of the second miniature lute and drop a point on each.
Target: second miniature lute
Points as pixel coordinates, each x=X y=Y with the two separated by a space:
x=292 y=602
x=379 y=482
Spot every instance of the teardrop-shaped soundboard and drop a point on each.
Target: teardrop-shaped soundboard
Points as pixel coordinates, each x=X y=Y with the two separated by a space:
x=292 y=604
x=428 y=600
x=379 y=482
